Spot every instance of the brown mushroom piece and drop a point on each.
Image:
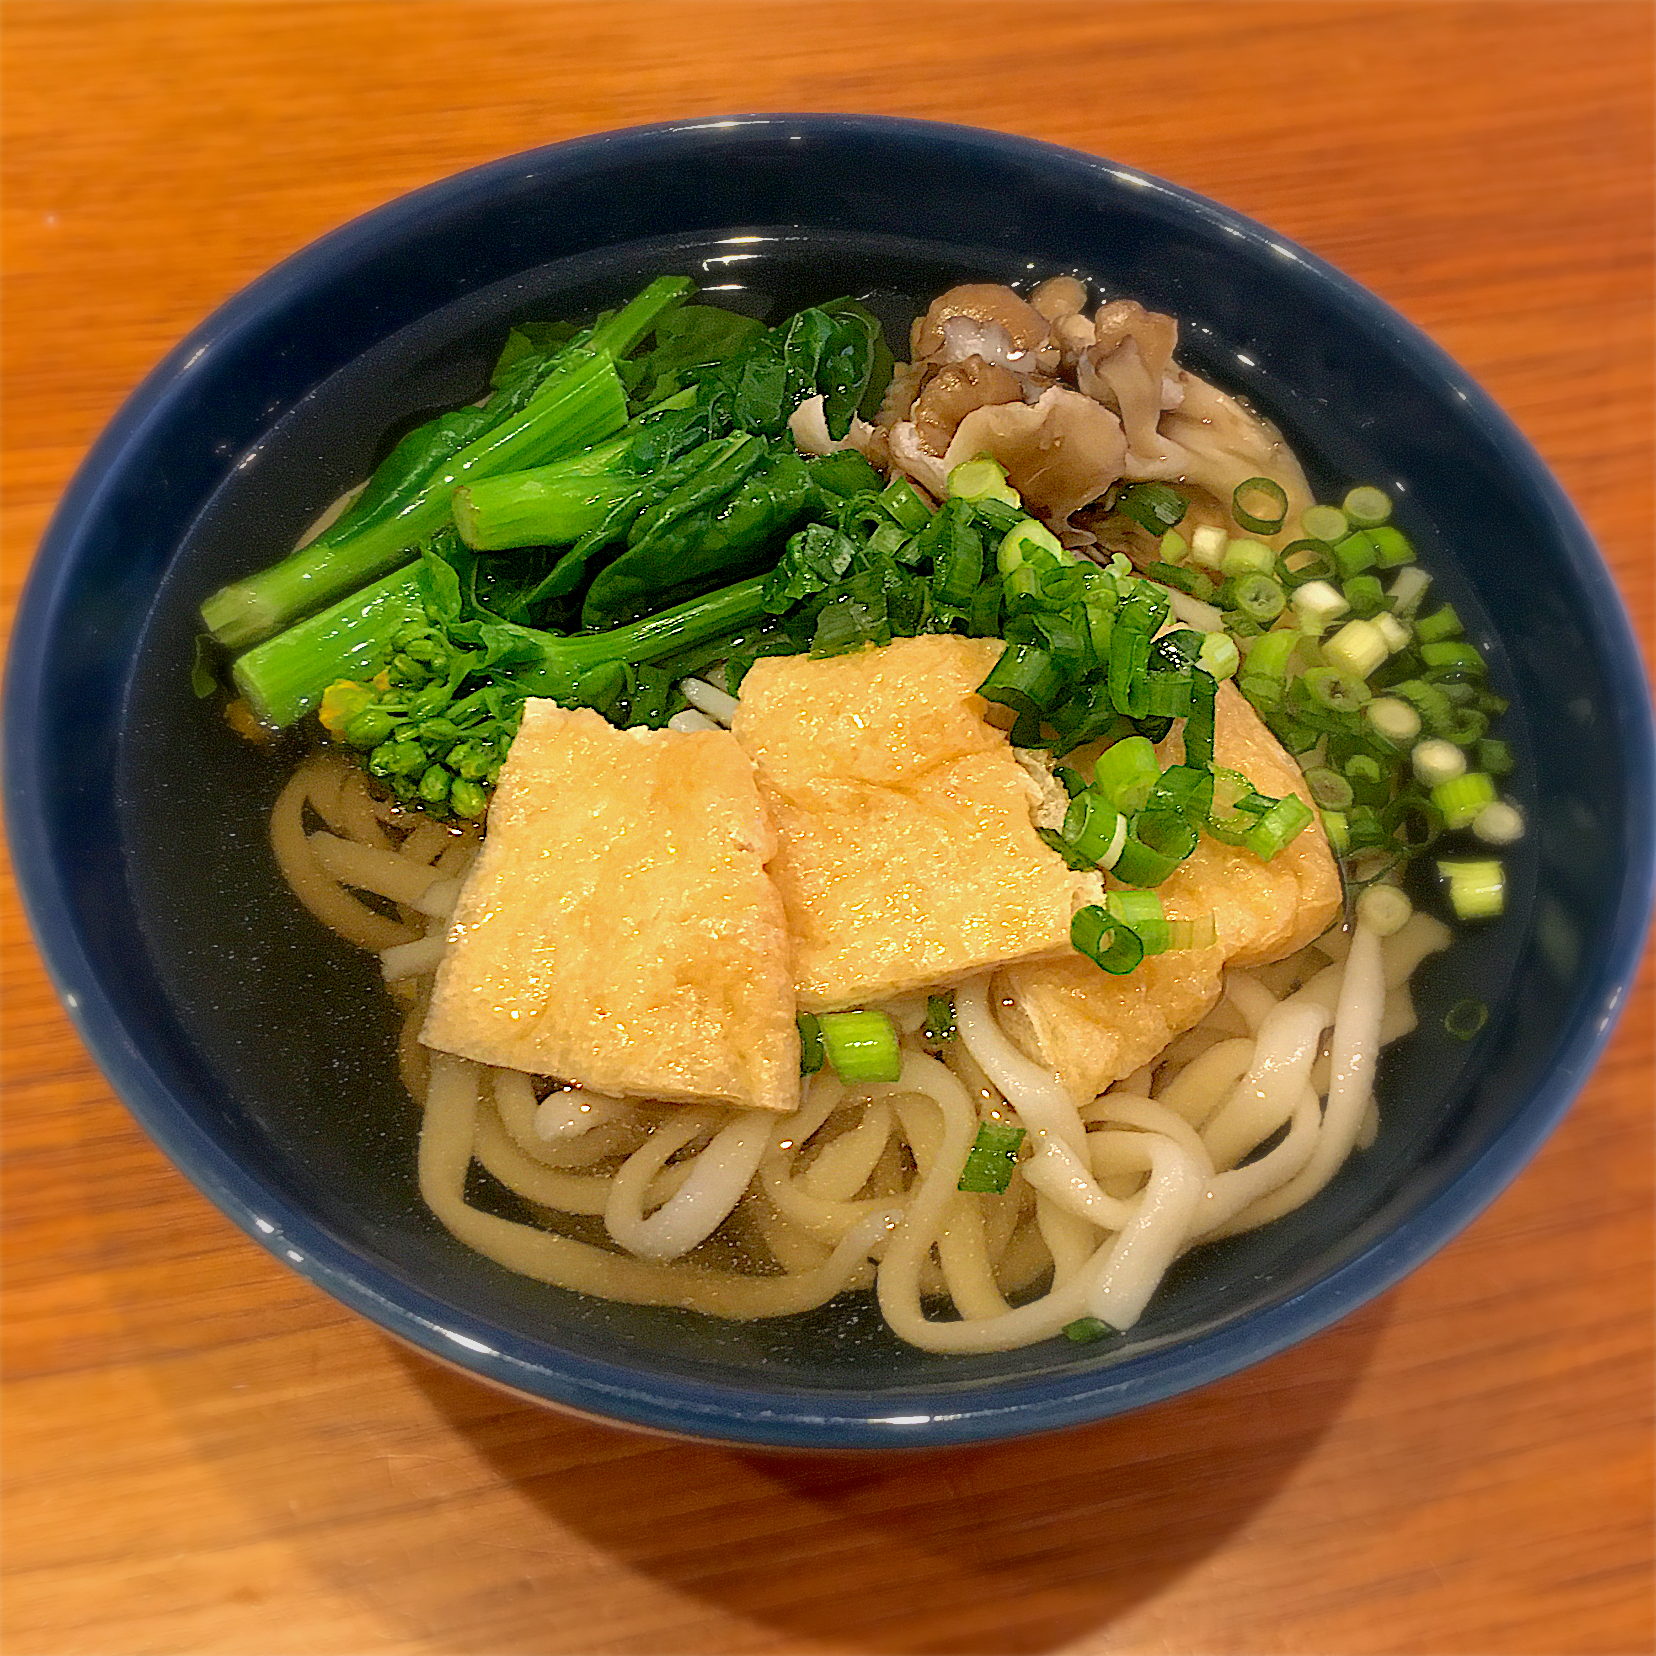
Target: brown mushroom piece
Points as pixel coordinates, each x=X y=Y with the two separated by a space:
x=956 y=391
x=1126 y=368
x=1213 y=441
x=1058 y=297
x=987 y=320
x=1060 y=451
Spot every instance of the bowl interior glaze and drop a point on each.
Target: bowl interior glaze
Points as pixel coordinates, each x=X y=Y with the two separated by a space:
x=257 y=1049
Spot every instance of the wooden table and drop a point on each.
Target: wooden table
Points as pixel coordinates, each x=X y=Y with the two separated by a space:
x=203 y=1454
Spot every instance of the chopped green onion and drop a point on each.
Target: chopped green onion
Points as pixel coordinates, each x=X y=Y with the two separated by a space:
x=1135 y=907
x=1384 y=909
x=1029 y=541
x=1268 y=659
x=1201 y=723
x=1392 y=546
x=1340 y=692
x=1366 y=506
x=1465 y=1018
x=1443 y=623
x=1277 y=827
x=1108 y=943
x=1366 y=597
x=1236 y=806
x=1391 y=629
x=1157 y=842
x=1498 y=823
x=1247 y=557
x=1411 y=822
x=1407 y=591
x=1095 y=829
x=1153 y=506
x=862 y=1046
x=1025 y=679
x=1428 y=700
x=1357 y=648
x=1260 y=504
x=1461 y=798
x=1393 y=719
x=1495 y=757
x=1339 y=835
x=1174 y=547
x=810 y=1043
x=1364 y=829
x=1316 y=603
x=1125 y=773
x=992 y=1159
x=902 y=500
x=1452 y=658
x=1369 y=779
x=1477 y=890
x=1207 y=545
x=940 y=1019
x=1189 y=581
x=1220 y=657
x=1084 y=1330
x=1308 y=560
x=1356 y=553
x=1326 y=523
x=1465 y=726
x=1436 y=761
x=1330 y=790
x=1258 y=597
x=982 y=479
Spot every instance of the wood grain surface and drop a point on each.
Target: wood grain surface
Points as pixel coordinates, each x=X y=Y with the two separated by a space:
x=204 y=1454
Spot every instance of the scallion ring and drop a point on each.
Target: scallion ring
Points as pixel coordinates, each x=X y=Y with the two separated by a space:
x=1109 y=943
x=1337 y=691
x=1260 y=505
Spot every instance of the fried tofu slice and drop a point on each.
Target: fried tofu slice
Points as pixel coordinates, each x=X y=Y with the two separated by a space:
x=907 y=853
x=1091 y=1028
x=618 y=929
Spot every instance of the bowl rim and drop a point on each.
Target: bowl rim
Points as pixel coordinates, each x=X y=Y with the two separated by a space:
x=757 y=1414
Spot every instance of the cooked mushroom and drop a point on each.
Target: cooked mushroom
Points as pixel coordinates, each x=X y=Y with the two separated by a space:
x=906 y=380
x=1127 y=367
x=987 y=320
x=1059 y=452
x=1058 y=297
x=1215 y=442
x=957 y=391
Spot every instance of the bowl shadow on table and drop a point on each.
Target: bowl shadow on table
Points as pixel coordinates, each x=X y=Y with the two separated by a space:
x=1016 y=1547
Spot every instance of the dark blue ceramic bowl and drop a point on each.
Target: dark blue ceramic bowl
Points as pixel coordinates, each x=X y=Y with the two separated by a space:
x=234 y=1028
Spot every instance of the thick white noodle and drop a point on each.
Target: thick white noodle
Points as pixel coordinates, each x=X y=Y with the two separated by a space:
x=1404 y=950
x=1355 y=1047
x=569 y=1113
x=716 y=704
x=1115 y=1190
x=1138 y=1258
x=411 y=960
x=687 y=721
x=1250 y=997
x=1284 y=1051
x=1134 y=1111
x=1229 y=1193
x=1042 y=1104
x=723 y=1171
x=1056 y=1172
x=1206 y=1082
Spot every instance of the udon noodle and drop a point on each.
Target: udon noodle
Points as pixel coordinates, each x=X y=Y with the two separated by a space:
x=745 y=1214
